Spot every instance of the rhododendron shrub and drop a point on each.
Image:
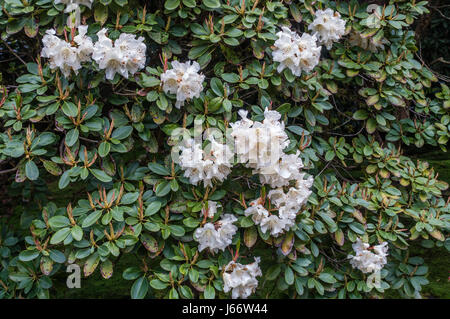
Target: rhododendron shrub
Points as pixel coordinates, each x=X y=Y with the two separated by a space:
x=234 y=148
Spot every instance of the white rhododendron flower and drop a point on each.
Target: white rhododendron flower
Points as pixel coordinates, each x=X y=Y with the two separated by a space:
x=125 y=56
x=299 y=54
x=241 y=279
x=287 y=204
x=191 y=161
x=85 y=44
x=183 y=80
x=280 y=173
x=211 y=210
x=64 y=55
x=368 y=259
x=257 y=144
x=328 y=27
x=213 y=163
x=71 y=5
x=207 y=237
x=257 y=211
x=61 y=54
x=226 y=229
x=275 y=225
x=216 y=235
x=260 y=146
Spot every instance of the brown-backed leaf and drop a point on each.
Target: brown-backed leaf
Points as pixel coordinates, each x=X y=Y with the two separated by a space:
x=250 y=236
x=90 y=264
x=106 y=269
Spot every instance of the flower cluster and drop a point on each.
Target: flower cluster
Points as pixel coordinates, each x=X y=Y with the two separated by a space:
x=366 y=260
x=64 y=55
x=302 y=53
x=241 y=279
x=260 y=146
x=214 y=162
x=125 y=55
x=296 y=53
x=216 y=235
x=287 y=204
x=328 y=27
x=183 y=80
x=287 y=168
x=257 y=144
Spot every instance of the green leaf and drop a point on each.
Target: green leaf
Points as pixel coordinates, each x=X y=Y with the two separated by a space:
x=100 y=175
x=162 y=189
x=273 y=272
x=70 y=109
x=371 y=125
x=28 y=255
x=77 y=233
x=72 y=137
x=326 y=277
x=289 y=276
x=177 y=230
x=153 y=208
x=104 y=149
x=129 y=198
x=91 y=219
x=158 y=284
x=64 y=180
x=357 y=228
x=58 y=222
x=217 y=86
x=131 y=273
x=212 y=4
x=329 y=155
x=218 y=195
x=299 y=286
x=360 y=115
x=57 y=256
x=122 y=132
x=186 y=292
x=193 y=275
x=31 y=170
x=159 y=169
x=227 y=106
x=209 y=292
x=60 y=235
x=171 y=4
x=230 y=77
x=297 y=130
x=140 y=288
x=150 y=81
x=173 y=294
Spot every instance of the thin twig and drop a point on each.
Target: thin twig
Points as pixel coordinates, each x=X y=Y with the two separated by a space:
x=8 y=170
x=15 y=54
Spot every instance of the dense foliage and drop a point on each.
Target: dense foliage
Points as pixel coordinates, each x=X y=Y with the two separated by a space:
x=86 y=168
